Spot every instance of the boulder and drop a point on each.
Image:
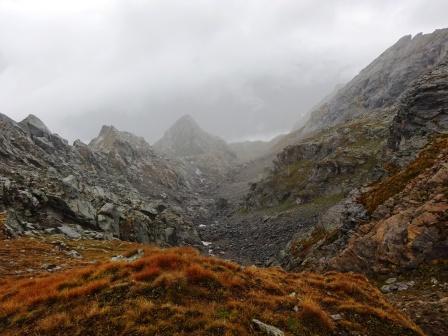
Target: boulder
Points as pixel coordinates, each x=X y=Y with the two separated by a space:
x=266 y=328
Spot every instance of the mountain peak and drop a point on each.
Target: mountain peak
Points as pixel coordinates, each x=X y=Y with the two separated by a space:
x=186 y=122
x=187 y=138
x=108 y=128
x=34 y=126
x=187 y=118
x=109 y=137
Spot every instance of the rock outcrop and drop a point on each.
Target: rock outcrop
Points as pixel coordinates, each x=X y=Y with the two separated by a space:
x=393 y=226
x=118 y=189
x=421 y=112
x=411 y=227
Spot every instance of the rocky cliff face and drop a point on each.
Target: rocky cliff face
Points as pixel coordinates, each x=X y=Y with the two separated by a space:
x=421 y=112
x=392 y=226
x=409 y=228
x=380 y=84
x=147 y=171
x=399 y=222
x=121 y=190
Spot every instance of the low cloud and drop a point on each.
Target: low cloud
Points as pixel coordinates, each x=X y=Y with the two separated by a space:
x=242 y=69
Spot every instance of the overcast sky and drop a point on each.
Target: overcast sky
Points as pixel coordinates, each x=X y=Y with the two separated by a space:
x=243 y=69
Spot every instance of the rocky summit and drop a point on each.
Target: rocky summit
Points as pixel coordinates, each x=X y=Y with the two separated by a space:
x=338 y=228
x=186 y=140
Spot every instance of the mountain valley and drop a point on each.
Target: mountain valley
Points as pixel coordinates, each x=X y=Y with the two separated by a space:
x=338 y=228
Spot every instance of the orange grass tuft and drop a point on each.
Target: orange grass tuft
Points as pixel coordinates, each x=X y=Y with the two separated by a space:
x=86 y=289
x=148 y=273
x=197 y=274
x=312 y=313
x=177 y=292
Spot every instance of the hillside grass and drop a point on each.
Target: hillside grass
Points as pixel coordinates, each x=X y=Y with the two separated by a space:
x=179 y=292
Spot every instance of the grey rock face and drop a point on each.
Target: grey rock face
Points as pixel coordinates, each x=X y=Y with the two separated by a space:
x=69 y=232
x=34 y=126
x=111 y=139
x=383 y=81
x=104 y=191
x=343 y=217
x=421 y=112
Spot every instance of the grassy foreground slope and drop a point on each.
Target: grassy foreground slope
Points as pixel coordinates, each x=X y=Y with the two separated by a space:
x=179 y=292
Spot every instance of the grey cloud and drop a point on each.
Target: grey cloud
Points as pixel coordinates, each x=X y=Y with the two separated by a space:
x=243 y=69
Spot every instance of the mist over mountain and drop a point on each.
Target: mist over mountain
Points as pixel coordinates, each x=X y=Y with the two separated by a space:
x=185 y=138
x=223 y=181
x=141 y=66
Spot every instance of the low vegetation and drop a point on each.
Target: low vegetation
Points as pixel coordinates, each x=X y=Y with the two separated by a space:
x=179 y=292
x=392 y=185
x=330 y=162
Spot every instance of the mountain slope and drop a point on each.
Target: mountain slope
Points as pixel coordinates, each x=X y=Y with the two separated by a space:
x=319 y=167
x=179 y=292
x=412 y=200
x=49 y=186
x=397 y=225
x=380 y=83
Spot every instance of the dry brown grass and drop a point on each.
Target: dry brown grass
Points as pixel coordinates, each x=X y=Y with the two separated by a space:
x=313 y=314
x=148 y=273
x=25 y=256
x=85 y=289
x=179 y=292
